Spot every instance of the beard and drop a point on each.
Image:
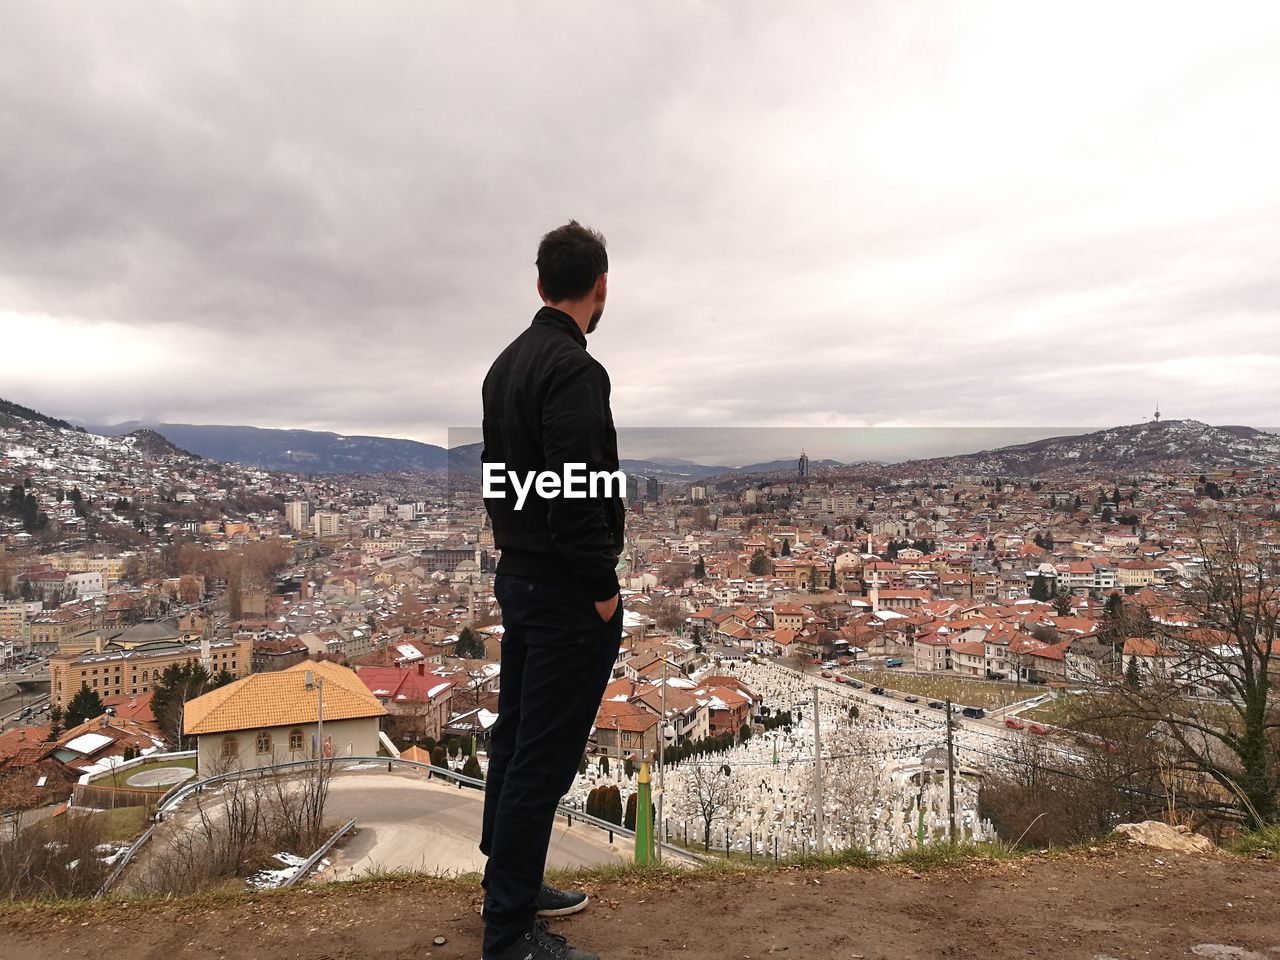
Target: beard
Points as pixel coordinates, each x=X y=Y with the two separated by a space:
x=594 y=322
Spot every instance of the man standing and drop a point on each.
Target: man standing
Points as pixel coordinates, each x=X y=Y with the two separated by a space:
x=546 y=404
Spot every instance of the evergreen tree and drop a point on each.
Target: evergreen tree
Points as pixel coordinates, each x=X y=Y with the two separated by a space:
x=629 y=767
x=700 y=569
x=179 y=683
x=786 y=547
x=604 y=766
x=469 y=646
x=629 y=821
x=759 y=563
x=1132 y=676
x=84 y=705
x=472 y=768
x=1062 y=603
x=613 y=805
x=438 y=758
x=582 y=764
x=1040 y=588
x=831 y=578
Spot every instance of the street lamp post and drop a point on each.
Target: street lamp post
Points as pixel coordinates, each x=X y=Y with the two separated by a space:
x=310 y=681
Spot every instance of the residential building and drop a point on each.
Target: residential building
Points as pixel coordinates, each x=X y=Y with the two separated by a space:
x=270 y=718
x=126 y=672
x=298 y=514
x=326 y=523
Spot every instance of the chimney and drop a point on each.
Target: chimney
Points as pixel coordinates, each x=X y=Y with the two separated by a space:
x=422 y=669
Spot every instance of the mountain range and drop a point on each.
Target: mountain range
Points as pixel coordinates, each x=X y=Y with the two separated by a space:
x=317 y=451
x=1165 y=445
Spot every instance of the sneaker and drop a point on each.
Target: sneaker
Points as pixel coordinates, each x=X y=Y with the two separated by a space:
x=541 y=944
x=559 y=903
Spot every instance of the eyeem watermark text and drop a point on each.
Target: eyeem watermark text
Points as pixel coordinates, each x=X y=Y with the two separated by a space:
x=576 y=483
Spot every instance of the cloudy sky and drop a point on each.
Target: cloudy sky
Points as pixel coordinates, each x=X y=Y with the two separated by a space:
x=822 y=215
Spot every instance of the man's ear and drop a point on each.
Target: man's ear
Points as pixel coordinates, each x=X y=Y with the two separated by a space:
x=602 y=286
x=538 y=282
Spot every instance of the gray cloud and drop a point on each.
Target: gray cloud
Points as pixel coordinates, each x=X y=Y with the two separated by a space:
x=324 y=215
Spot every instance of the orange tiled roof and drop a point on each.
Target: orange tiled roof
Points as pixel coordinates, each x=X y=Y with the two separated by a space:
x=281 y=699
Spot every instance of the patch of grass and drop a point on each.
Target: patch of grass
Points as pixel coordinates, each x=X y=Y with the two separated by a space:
x=937 y=856
x=1263 y=844
x=120 y=778
x=1056 y=712
x=987 y=694
x=121 y=824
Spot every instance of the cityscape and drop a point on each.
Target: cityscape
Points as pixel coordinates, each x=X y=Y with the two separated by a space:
x=566 y=480
x=1012 y=659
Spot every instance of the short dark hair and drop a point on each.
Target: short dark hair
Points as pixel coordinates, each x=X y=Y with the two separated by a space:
x=570 y=259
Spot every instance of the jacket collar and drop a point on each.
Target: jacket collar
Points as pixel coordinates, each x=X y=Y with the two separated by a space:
x=551 y=317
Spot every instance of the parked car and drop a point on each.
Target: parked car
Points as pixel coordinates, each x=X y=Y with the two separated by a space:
x=1013 y=723
x=878 y=691
x=912 y=699
x=856 y=684
x=826 y=674
x=840 y=678
x=1037 y=729
x=936 y=704
x=974 y=713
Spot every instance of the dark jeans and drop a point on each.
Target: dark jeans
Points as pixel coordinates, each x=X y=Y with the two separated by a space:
x=557 y=658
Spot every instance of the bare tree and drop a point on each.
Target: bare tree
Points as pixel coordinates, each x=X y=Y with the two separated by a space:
x=712 y=790
x=849 y=776
x=668 y=614
x=1207 y=694
x=226 y=830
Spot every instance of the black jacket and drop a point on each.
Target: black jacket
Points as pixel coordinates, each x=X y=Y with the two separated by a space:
x=546 y=403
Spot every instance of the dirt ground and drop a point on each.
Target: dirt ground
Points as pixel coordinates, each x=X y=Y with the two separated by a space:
x=1119 y=903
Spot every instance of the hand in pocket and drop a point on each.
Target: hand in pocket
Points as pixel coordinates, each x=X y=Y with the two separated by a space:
x=607 y=608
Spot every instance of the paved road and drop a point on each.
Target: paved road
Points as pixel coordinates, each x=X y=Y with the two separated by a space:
x=408 y=823
x=10 y=706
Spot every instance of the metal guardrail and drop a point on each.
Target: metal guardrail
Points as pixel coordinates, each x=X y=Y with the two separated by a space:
x=304 y=869
x=182 y=791
x=123 y=862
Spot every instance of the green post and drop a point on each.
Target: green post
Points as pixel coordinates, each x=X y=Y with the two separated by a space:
x=644 y=818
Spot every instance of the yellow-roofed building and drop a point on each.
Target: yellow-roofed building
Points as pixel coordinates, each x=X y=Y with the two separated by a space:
x=270 y=718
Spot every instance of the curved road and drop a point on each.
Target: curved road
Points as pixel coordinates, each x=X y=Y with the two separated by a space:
x=404 y=822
